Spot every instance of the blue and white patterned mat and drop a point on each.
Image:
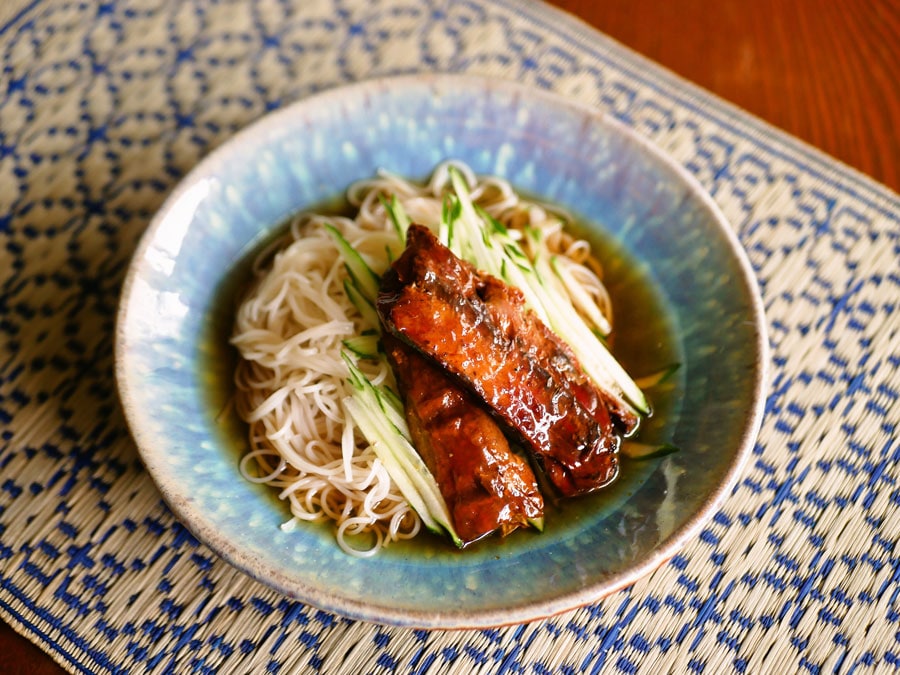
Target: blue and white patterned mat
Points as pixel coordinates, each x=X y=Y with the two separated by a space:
x=104 y=105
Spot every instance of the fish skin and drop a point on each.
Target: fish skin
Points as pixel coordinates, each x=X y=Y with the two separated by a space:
x=479 y=331
x=488 y=488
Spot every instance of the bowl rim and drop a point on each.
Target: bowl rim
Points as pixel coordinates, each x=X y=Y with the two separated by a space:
x=202 y=526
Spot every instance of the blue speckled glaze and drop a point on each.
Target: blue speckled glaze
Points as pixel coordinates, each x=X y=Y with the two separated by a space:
x=309 y=152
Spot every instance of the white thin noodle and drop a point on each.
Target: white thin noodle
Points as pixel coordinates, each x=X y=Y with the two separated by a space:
x=289 y=329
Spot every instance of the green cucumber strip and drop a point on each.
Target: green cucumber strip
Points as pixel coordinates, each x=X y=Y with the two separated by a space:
x=364 y=418
x=402 y=462
x=474 y=243
x=366 y=346
x=525 y=279
x=364 y=278
x=384 y=427
x=654 y=379
x=495 y=225
x=389 y=402
x=449 y=214
x=394 y=414
x=365 y=307
x=502 y=256
x=397 y=214
x=564 y=320
x=642 y=451
x=392 y=399
x=595 y=358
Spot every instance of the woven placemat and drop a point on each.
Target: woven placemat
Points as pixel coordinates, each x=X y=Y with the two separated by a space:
x=104 y=105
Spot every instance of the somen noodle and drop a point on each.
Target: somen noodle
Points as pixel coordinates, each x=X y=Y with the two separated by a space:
x=291 y=378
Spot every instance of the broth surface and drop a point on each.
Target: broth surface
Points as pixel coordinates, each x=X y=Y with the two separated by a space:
x=644 y=340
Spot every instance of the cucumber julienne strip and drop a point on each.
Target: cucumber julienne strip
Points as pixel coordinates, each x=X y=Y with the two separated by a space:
x=365 y=346
x=365 y=307
x=502 y=256
x=368 y=422
x=654 y=379
x=379 y=421
x=449 y=216
x=397 y=214
x=365 y=280
x=642 y=451
x=595 y=358
x=471 y=240
x=378 y=412
x=362 y=283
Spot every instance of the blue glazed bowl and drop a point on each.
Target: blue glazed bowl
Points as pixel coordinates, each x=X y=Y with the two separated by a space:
x=305 y=155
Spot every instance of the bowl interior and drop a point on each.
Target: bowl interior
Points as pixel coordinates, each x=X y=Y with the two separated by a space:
x=628 y=195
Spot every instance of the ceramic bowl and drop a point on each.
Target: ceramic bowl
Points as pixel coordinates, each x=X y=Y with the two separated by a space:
x=173 y=321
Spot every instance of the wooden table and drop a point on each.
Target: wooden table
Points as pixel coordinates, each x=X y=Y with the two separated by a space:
x=826 y=72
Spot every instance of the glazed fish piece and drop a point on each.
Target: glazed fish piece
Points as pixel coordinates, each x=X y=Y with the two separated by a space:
x=477 y=328
x=544 y=346
x=488 y=488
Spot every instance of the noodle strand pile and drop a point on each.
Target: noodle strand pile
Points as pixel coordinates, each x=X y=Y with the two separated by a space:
x=291 y=377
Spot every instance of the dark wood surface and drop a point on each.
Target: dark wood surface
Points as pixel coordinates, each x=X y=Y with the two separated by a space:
x=827 y=72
